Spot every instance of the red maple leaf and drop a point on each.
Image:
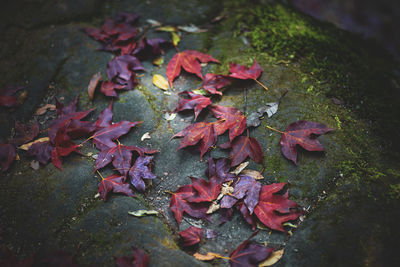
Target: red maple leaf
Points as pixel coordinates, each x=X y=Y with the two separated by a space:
x=151 y=45
x=139 y=259
x=108 y=88
x=212 y=82
x=63 y=146
x=249 y=218
x=206 y=191
x=42 y=151
x=249 y=254
x=244 y=73
x=302 y=133
x=107 y=132
x=195 y=101
x=179 y=204
x=189 y=61
x=218 y=169
x=24 y=134
x=273 y=209
x=230 y=118
x=120 y=156
x=114 y=183
x=196 y=132
x=7 y=156
x=140 y=170
x=242 y=147
x=191 y=236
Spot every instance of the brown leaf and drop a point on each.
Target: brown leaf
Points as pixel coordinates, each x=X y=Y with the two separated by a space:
x=253 y=174
x=43 y=110
x=94 y=81
x=208 y=257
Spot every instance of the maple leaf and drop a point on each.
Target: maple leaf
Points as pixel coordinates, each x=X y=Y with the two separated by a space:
x=120 y=156
x=219 y=169
x=196 y=132
x=230 y=118
x=7 y=156
x=207 y=191
x=24 y=134
x=189 y=61
x=108 y=88
x=105 y=117
x=139 y=259
x=179 y=204
x=152 y=45
x=104 y=137
x=244 y=73
x=63 y=146
x=114 y=183
x=245 y=187
x=242 y=147
x=195 y=101
x=42 y=151
x=249 y=254
x=225 y=215
x=141 y=170
x=274 y=209
x=301 y=133
x=249 y=218
x=191 y=236
x=212 y=82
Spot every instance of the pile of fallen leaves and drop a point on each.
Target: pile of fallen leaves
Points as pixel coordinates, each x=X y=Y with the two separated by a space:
x=225 y=190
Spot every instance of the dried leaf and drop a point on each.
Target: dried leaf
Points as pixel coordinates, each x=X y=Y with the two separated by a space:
x=170 y=116
x=175 y=38
x=160 y=82
x=141 y=213
x=158 y=61
x=240 y=168
x=253 y=174
x=94 y=81
x=273 y=258
x=145 y=136
x=209 y=256
x=43 y=110
x=28 y=145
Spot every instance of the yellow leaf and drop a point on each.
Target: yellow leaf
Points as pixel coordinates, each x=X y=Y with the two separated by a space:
x=28 y=145
x=175 y=38
x=160 y=82
x=209 y=256
x=274 y=258
x=158 y=61
x=167 y=29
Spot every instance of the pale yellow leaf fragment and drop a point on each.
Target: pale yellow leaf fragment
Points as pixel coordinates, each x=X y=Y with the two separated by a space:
x=43 y=110
x=175 y=38
x=274 y=258
x=28 y=145
x=94 y=81
x=209 y=256
x=141 y=213
x=145 y=136
x=160 y=82
x=253 y=174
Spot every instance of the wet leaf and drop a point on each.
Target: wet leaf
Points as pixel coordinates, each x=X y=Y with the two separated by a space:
x=94 y=81
x=195 y=102
x=302 y=133
x=116 y=184
x=160 y=82
x=273 y=209
x=189 y=61
x=191 y=236
x=140 y=170
x=141 y=213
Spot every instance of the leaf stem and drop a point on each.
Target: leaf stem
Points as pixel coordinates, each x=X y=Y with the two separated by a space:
x=101 y=176
x=261 y=84
x=169 y=192
x=275 y=130
x=81 y=144
x=219 y=256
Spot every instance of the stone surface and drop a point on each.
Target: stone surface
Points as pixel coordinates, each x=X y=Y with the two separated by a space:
x=351 y=191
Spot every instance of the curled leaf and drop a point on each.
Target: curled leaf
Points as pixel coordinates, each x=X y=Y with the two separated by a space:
x=28 y=145
x=274 y=258
x=208 y=257
x=43 y=110
x=94 y=81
